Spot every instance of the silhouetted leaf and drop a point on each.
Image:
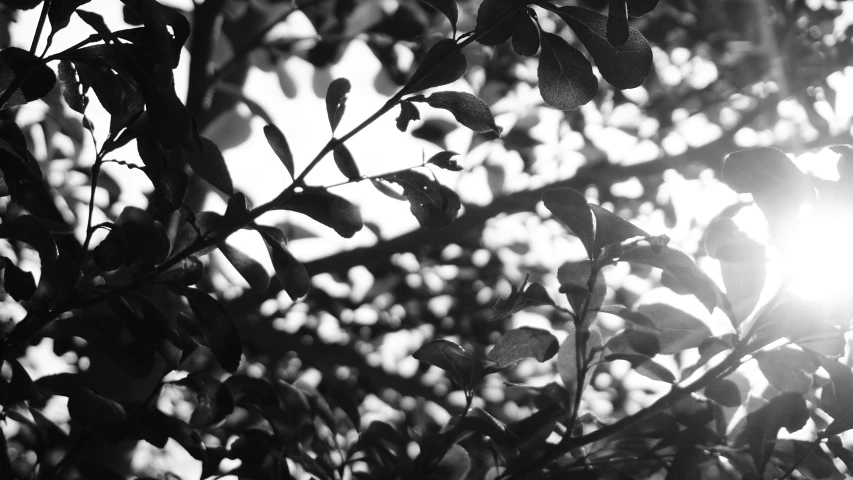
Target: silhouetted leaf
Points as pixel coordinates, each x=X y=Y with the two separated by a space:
x=432 y=204
x=693 y=411
x=220 y=333
x=251 y=391
x=819 y=334
x=644 y=365
x=708 y=349
x=31 y=230
x=787 y=411
x=571 y=208
x=480 y=421
x=496 y=20
x=291 y=273
x=678 y=329
x=574 y=282
x=387 y=190
x=21 y=4
x=455 y=464
x=19 y=284
x=442 y=64
x=725 y=392
x=346 y=163
x=638 y=8
x=336 y=101
x=26 y=73
x=611 y=228
x=98 y=24
x=408 y=112
x=685 y=276
x=60 y=13
x=525 y=38
x=521 y=298
x=201 y=226
x=624 y=66
x=468 y=110
x=617 y=22
x=327 y=208
x=88 y=407
x=634 y=317
x=448 y=8
x=188 y=271
x=443 y=160
x=71 y=87
x=279 y=145
x=841 y=453
x=209 y=164
x=524 y=342
x=640 y=341
x=566 y=80
x=787 y=369
x=461 y=365
x=249 y=269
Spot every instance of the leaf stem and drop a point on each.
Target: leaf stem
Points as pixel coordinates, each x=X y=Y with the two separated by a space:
x=44 y=9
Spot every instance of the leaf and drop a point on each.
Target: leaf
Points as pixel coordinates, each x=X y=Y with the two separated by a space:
x=841 y=453
x=145 y=239
x=346 y=164
x=571 y=208
x=468 y=110
x=336 y=100
x=432 y=204
x=638 y=8
x=408 y=112
x=574 y=282
x=209 y=164
x=27 y=74
x=787 y=369
x=634 y=317
x=566 y=80
x=524 y=342
x=525 y=38
x=678 y=329
x=291 y=273
x=98 y=24
x=443 y=64
x=787 y=411
x=71 y=87
x=819 y=334
x=693 y=411
x=329 y=209
x=31 y=230
x=708 y=349
x=644 y=365
x=521 y=298
x=220 y=333
x=19 y=284
x=725 y=392
x=837 y=398
x=687 y=277
x=251 y=391
x=387 y=190
x=188 y=271
x=279 y=145
x=480 y=421
x=60 y=13
x=495 y=21
x=21 y=4
x=443 y=160
x=611 y=228
x=624 y=66
x=249 y=269
x=199 y=226
x=617 y=22
x=461 y=365
x=455 y=464
x=641 y=342
x=88 y=407
x=567 y=361
x=448 y=8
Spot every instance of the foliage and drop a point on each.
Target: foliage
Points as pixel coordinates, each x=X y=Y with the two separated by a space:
x=134 y=301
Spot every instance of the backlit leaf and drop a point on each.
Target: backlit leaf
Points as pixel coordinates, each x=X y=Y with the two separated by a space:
x=31 y=230
x=787 y=369
x=220 y=333
x=496 y=20
x=71 y=87
x=279 y=145
x=187 y=272
x=571 y=208
x=617 y=22
x=468 y=110
x=645 y=343
x=644 y=365
x=787 y=411
x=461 y=365
x=524 y=342
x=521 y=298
x=443 y=160
x=19 y=284
x=525 y=38
x=336 y=100
x=682 y=271
x=345 y=162
x=327 y=208
x=443 y=64
x=249 y=269
x=638 y=8
x=566 y=80
x=408 y=113
x=26 y=73
x=455 y=464
x=291 y=273
x=624 y=66
x=567 y=361
x=432 y=204
x=448 y=8
x=611 y=228
x=678 y=329
x=725 y=392
x=209 y=164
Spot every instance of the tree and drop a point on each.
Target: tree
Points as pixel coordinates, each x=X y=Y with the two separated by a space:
x=136 y=306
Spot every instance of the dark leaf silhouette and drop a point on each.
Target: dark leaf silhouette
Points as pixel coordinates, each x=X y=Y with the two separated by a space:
x=496 y=20
x=611 y=228
x=346 y=163
x=625 y=65
x=249 y=269
x=725 y=392
x=336 y=100
x=31 y=230
x=682 y=271
x=617 y=22
x=566 y=80
x=209 y=164
x=524 y=342
x=279 y=145
x=443 y=64
x=634 y=317
x=60 y=12
x=387 y=190
x=21 y=4
x=292 y=274
x=571 y=208
x=86 y=406
x=23 y=77
x=678 y=329
x=432 y=204
x=468 y=110
x=455 y=464
x=461 y=365
x=638 y=8
x=521 y=298
x=640 y=341
x=444 y=160
x=408 y=113
x=327 y=208
x=251 y=391
x=786 y=411
x=71 y=87
x=220 y=333
x=525 y=39
x=644 y=365
x=19 y=284
x=448 y=8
